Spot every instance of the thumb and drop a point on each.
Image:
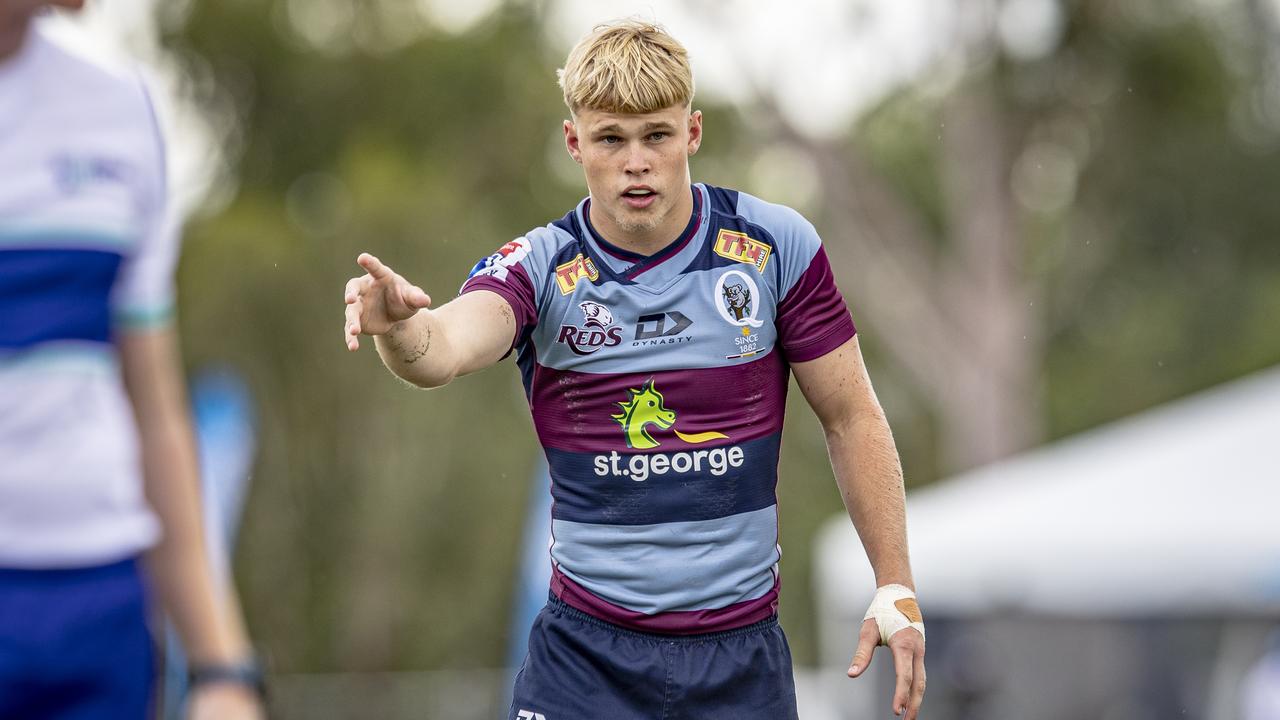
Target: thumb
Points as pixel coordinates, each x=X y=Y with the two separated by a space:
x=868 y=639
x=415 y=297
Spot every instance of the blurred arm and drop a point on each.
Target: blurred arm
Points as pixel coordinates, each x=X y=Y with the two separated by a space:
x=863 y=456
x=206 y=615
x=433 y=347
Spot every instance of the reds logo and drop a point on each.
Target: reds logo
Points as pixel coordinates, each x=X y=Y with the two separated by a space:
x=597 y=334
x=597 y=315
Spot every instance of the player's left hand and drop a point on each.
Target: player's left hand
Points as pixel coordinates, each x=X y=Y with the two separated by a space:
x=895 y=621
x=224 y=701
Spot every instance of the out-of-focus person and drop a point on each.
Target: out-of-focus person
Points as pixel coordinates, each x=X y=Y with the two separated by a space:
x=99 y=494
x=1261 y=687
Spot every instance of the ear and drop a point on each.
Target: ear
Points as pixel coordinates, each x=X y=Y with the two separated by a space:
x=571 y=141
x=695 y=131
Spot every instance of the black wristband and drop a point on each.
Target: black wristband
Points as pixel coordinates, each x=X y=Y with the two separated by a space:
x=247 y=673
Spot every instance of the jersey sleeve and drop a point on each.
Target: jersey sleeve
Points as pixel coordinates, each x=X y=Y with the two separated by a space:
x=507 y=273
x=143 y=296
x=812 y=317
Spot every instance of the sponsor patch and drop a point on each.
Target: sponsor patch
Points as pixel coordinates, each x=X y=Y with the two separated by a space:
x=645 y=407
x=737 y=299
x=742 y=248
x=662 y=329
x=507 y=256
x=597 y=331
x=568 y=274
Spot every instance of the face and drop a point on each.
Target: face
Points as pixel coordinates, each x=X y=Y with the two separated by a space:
x=637 y=169
x=15 y=18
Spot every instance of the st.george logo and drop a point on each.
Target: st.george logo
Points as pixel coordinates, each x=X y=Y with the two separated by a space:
x=597 y=331
x=644 y=407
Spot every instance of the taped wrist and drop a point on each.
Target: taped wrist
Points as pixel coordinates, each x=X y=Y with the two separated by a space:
x=894 y=608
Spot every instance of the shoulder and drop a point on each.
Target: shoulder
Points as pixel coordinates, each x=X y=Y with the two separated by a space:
x=534 y=253
x=749 y=229
x=115 y=90
x=784 y=227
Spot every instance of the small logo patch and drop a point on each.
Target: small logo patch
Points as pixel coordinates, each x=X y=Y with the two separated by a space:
x=568 y=274
x=662 y=329
x=507 y=256
x=742 y=248
x=597 y=331
x=530 y=715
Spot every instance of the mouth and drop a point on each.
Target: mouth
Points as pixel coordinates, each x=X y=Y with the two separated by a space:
x=639 y=196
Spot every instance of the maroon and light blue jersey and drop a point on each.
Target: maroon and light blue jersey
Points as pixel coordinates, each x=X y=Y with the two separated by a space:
x=657 y=386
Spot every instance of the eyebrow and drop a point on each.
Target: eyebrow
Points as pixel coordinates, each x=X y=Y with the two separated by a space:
x=616 y=128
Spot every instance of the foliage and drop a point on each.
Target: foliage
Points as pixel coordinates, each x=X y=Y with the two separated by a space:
x=383 y=528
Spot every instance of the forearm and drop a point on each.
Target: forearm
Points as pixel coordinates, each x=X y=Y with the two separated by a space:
x=418 y=350
x=206 y=615
x=869 y=474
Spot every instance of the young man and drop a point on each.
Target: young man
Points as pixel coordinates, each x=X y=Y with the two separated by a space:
x=97 y=462
x=655 y=327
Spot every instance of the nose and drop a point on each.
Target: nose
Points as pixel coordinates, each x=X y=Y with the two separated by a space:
x=637 y=160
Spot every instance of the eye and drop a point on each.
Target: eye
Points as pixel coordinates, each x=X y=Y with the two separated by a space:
x=658 y=136
x=610 y=139
x=650 y=403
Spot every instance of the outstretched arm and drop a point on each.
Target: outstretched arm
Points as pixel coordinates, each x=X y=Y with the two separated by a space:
x=426 y=347
x=865 y=461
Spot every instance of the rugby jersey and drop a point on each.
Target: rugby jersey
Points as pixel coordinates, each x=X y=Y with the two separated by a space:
x=86 y=250
x=657 y=386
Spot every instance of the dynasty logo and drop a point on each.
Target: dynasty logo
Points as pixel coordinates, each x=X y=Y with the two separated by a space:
x=597 y=331
x=662 y=329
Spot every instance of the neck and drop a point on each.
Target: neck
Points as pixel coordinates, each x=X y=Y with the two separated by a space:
x=13 y=34
x=648 y=241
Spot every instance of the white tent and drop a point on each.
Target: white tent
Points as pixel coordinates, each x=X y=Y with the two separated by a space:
x=1175 y=511
x=1171 y=515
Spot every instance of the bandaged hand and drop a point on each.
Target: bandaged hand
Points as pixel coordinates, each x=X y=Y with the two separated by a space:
x=894 y=608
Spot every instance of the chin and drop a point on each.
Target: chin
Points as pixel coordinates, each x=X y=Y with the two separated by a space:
x=632 y=224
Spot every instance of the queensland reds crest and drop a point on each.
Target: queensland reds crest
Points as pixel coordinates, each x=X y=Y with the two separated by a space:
x=598 y=331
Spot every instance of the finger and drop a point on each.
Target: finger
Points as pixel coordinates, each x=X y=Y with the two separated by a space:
x=902 y=667
x=917 y=687
x=868 y=638
x=351 y=330
x=353 y=289
x=415 y=297
x=374 y=266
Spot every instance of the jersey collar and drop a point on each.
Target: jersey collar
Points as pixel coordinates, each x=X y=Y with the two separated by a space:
x=658 y=268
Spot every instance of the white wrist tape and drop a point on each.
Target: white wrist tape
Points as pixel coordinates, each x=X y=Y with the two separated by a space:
x=894 y=608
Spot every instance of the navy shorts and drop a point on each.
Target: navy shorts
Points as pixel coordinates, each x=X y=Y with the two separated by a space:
x=74 y=644
x=582 y=668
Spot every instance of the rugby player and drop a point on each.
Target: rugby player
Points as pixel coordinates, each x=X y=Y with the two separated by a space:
x=655 y=326
x=97 y=461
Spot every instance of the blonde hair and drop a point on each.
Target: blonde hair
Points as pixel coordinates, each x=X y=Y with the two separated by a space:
x=627 y=66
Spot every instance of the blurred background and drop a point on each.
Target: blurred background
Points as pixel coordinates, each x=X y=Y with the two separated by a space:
x=1056 y=226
